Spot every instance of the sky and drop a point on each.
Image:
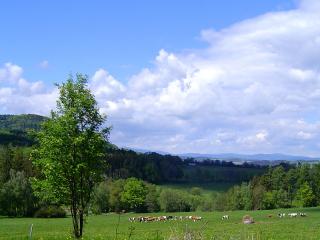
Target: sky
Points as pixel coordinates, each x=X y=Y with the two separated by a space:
x=177 y=76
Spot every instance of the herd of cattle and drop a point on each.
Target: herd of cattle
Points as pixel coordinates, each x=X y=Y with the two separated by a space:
x=197 y=218
x=163 y=218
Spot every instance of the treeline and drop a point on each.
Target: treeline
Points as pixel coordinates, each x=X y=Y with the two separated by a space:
x=283 y=186
x=17 y=197
x=135 y=195
x=158 y=169
x=280 y=187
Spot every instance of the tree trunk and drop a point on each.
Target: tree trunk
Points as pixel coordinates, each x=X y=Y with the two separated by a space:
x=76 y=223
x=81 y=223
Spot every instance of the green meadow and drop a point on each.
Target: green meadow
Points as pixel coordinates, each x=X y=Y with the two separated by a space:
x=113 y=226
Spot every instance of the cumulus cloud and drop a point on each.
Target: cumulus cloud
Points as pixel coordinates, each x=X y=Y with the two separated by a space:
x=248 y=91
x=254 y=88
x=18 y=95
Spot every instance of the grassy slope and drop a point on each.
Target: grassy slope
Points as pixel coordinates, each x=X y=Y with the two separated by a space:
x=207 y=188
x=104 y=227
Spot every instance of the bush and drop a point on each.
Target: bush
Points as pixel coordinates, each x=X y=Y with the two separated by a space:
x=50 y=212
x=175 y=201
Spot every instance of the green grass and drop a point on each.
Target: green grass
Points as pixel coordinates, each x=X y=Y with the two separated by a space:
x=207 y=188
x=211 y=227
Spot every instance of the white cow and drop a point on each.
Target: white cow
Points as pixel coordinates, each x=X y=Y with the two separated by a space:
x=302 y=214
x=225 y=217
x=292 y=214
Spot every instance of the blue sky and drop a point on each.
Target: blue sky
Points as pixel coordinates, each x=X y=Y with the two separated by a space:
x=202 y=76
x=121 y=36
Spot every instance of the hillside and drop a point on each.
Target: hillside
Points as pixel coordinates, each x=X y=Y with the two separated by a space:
x=14 y=128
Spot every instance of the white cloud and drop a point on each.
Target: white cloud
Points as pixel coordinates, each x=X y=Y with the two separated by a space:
x=256 y=74
x=17 y=95
x=255 y=88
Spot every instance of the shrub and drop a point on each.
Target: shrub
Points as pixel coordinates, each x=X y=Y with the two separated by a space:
x=50 y=212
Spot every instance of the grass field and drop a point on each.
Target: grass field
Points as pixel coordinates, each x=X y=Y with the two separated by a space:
x=207 y=188
x=211 y=227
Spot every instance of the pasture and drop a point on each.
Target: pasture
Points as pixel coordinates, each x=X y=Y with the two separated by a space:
x=112 y=226
x=206 y=188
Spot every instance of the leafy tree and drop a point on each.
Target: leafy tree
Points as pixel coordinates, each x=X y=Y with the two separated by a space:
x=268 y=201
x=282 y=199
x=116 y=189
x=174 y=201
x=16 y=197
x=305 y=196
x=152 y=199
x=6 y=162
x=277 y=178
x=100 y=201
x=71 y=149
x=134 y=194
x=196 y=191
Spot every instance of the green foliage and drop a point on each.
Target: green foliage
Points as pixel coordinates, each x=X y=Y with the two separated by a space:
x=196 y=191
x=116 y=189
x=305 y=196
x=174 y=201
x=71 y=149
x=21 y=122
x=278 y=188
x=50 y=211
x=134 y=194
x=16 y=198
x=160 y=169
x=100 y=200
x=15 y=129
x=152 y=199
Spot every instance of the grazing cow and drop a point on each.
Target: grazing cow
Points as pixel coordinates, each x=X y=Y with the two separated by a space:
x=281 y=215
x=162 y=218
x=302 y=214
x=292 y=214
x=225 y=217
x=195 y=218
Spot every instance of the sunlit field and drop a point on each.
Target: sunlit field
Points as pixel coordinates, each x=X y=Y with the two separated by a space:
x=112 y=226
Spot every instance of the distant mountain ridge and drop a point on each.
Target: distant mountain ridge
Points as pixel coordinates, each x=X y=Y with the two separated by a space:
x=13 y=129
x=239 y=157
x=251 y=157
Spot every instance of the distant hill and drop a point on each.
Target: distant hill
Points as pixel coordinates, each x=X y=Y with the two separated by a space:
x=234 y=157
x=249 y=157
x=21 y=122
x=14 y=128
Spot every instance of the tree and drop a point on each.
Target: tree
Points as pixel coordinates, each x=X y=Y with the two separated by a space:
x=152 y=199
x=16 y=197
x=305 y=196
x=100 y=201
x=134 y=194
x=174 y=201
x=71 y=149
x=116 y=189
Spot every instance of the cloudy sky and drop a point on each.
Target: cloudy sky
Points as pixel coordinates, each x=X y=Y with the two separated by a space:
x=206 y=77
